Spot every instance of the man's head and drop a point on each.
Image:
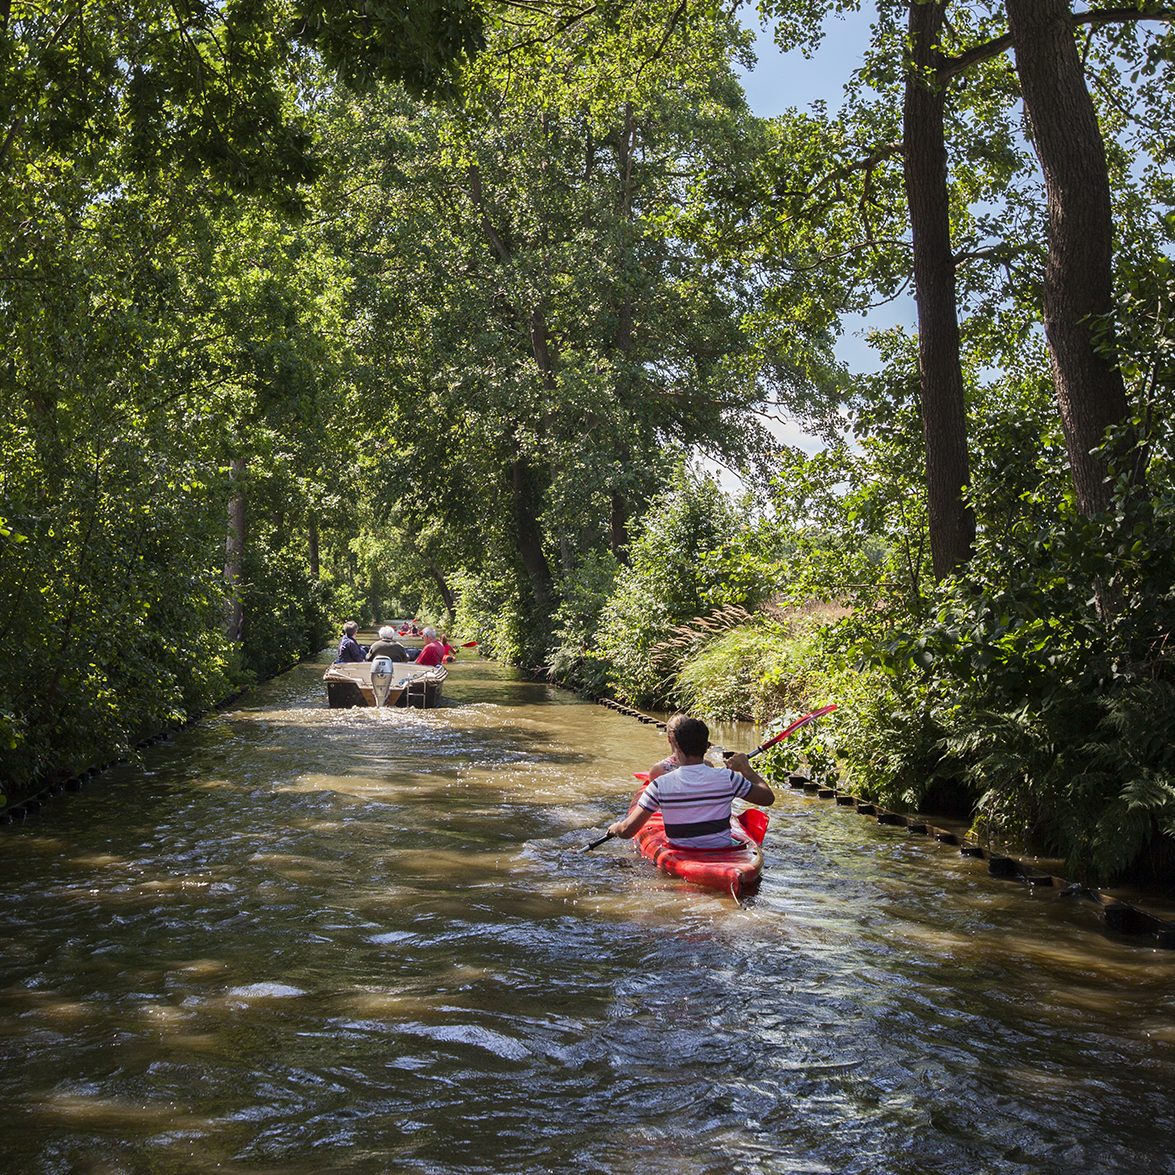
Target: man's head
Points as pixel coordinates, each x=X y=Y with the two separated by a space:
x=350 y=628
x=430 y=633
x=387 y=633
x=691 y=736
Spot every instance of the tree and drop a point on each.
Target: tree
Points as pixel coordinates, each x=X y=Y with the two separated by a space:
x=541 y=318
x=944 y=419
x=1078 y=279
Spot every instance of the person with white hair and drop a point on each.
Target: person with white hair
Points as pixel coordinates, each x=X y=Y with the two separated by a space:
x=387 y=646
x=433 y=652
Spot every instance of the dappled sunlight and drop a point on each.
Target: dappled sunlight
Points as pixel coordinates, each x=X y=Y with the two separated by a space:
x=112 y=1113
x=311 y=916
x=99 y=861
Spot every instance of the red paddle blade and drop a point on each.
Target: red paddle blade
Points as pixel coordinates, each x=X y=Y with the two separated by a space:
x=755 y=822
x=643 y=776
x=470 y=645
x=794 y=727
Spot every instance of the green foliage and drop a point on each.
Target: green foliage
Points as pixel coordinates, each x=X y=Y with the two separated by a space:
x=1048 y=675
x=752 y=671
x=542 y=318
x=286 y=612
x=574 y=658
x=368 y=42
x=490 y=611
x=665 y=583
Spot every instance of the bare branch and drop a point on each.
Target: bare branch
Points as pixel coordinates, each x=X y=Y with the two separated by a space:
x=961 y=62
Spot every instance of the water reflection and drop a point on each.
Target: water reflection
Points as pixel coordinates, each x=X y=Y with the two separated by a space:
x=301 y=939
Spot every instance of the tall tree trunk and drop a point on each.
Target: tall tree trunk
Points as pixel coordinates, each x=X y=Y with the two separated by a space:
x=447 y=596
x=944 y=415
x=312 y=547
x=234 y=552
x=529 y=537
x=1078 y=279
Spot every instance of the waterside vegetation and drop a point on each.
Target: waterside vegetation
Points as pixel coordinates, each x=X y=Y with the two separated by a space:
x=304 y=317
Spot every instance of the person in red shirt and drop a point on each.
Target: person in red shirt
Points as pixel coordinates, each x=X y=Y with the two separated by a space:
x=433 y=652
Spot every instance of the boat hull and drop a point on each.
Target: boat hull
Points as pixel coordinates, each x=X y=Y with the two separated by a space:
x=735 y=871
x=349 y=685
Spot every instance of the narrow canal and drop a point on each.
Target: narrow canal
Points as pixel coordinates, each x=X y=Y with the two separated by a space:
x=297 y=939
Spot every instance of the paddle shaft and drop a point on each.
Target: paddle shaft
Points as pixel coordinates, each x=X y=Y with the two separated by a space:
x=791 y=729
x=595 y=843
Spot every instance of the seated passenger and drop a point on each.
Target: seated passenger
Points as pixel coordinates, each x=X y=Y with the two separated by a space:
x=387 y=646
x=349 y=648
x=433 y=652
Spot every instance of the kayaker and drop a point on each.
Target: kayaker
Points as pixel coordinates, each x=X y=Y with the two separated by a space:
x=694 y=799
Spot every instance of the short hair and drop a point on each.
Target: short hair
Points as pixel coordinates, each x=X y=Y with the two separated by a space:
x=387 y=633
x=431 y=633
x=350 y=628
x=692 y=735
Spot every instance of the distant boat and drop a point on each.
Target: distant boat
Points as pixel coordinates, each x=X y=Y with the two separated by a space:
x=348 y=684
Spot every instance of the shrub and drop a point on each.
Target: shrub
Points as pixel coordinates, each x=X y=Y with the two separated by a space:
x=489 y=610
x=665 y=584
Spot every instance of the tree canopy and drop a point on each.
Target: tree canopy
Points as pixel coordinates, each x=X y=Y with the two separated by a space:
x=314 y=311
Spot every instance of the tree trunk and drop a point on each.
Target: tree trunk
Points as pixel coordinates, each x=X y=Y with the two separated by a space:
x=1078 y=279
x=447 y=596
x=312 y=546
x=234 y=552
x=529 y=537
x=944 y=416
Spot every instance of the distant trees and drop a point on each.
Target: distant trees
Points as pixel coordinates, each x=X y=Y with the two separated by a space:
x=169 y=335
x=540 y=319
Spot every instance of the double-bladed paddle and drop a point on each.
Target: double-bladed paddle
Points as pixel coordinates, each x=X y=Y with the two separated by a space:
x=778 y=738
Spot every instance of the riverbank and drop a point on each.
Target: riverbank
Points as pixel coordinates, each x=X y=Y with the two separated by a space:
x=18 y=804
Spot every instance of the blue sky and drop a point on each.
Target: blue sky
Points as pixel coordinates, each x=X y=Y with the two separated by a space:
x=780 y=81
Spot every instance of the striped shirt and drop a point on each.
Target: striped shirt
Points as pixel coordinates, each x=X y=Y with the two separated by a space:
x=694 y=801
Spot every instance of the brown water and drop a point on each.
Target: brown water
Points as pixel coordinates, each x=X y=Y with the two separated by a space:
x=298 y=939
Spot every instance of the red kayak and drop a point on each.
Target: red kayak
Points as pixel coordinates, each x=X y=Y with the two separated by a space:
x=734 y=871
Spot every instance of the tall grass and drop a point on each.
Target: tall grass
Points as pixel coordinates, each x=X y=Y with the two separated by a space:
x=737 y=665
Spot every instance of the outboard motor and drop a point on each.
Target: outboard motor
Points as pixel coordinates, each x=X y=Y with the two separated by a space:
x=381 y=678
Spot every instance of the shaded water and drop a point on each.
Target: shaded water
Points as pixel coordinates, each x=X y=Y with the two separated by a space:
x=298 y=939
